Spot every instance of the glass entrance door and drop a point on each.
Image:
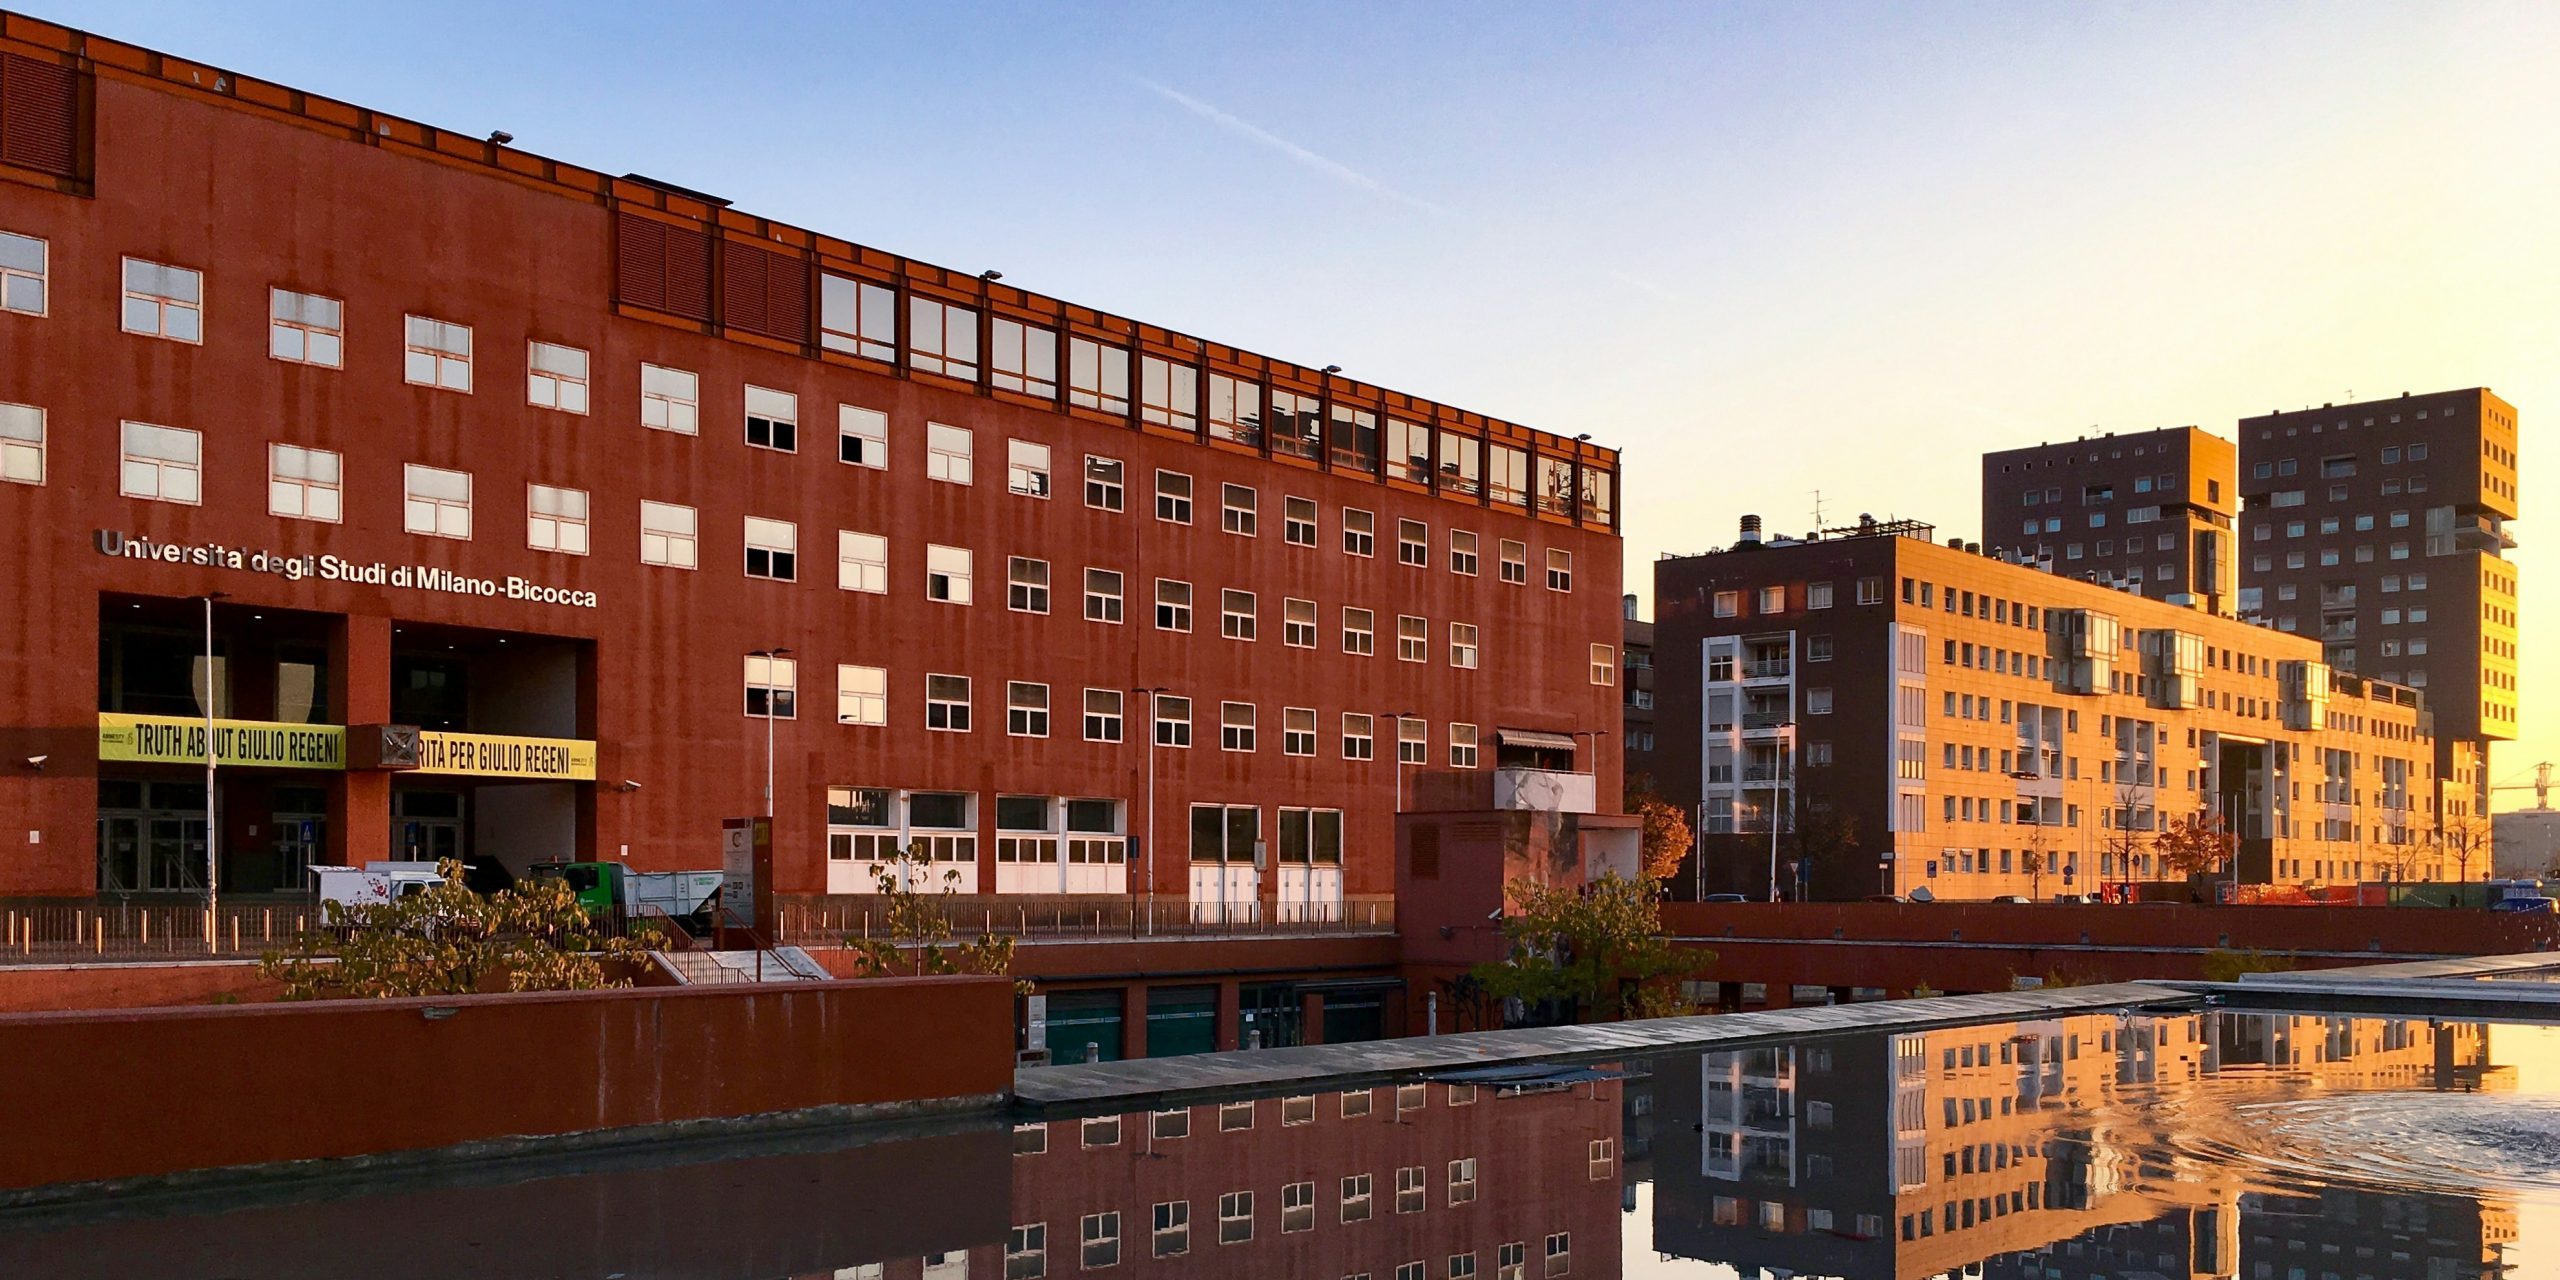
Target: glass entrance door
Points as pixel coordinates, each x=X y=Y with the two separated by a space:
x=150 y=837
x=426 y=826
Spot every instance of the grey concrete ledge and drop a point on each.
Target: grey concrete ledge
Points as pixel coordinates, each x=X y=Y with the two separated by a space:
x=1103 y=1088
x=2470 y=967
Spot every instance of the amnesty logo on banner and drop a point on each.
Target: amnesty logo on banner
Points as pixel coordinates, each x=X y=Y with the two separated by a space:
x=506 y=756
x=180 y=740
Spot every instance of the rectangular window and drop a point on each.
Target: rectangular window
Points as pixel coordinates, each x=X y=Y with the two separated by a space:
x=1103 y=485
x=1462 y=645
x=556 y=519
x=1101 y=1240
x=1560 y=1254
x=1172 y=721
x=1355 y=439
x=772 y=687
x=1026 y=709
x=1408 y=451
x=1298 y=624
x=437 y=354
x=1299 y=525
x=1413 y=543
x=1026 y=1252
x=1413 y=638
x=862 y=562
x=668 y=535
x=1355 y=1197
x=1023 y=357
x=1515 y=562
x=949 y=454
x=1462 y=1266
x=1462 y=553
x=23 y=269
x=670 y=400
x=302 y=328
x=1462 y=1181
x=21 y=441
x=946 y=703
x=1236 y=614
x=862 y=695
x=1102 y=595
x=1560 y=571
x=1462 y=746
x=556 y=377
x=1173 y=497
x=1297 y=430
x=1359 y=632
x=1173 y=1223
x=1097 y=376
x=1235 y=410
x=1359 y=532
x=1235 y=726
x=1027 y=468
x=773 y=549
x=773 y=419
x=1238 y=509
x=1413 y=741
x=1297 y=1207
x=1297 y=731
x=1026 y=585
x=1102 y=717
x=857 y=317
x=1604 y=665
x=1461 y=464
x=163 y=301
x=436 y=502
x=942 y=338
x=302 y=484
x=1359 y=736
x=946 y=574
x=862 y=437
x=1235 y=1217
x=1413 y=1195
x=1169 y=394
x=1173 y=605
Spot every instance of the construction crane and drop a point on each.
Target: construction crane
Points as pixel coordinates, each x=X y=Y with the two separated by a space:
x=2541 y=785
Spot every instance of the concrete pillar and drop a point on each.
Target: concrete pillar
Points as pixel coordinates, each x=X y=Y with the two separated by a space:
x=360 y=693
x=1230 y=1014
x=1781 y=995
x=1133 y=1021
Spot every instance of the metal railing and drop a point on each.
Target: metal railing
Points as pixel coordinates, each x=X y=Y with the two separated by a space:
x=106 y=929
x=828 y=919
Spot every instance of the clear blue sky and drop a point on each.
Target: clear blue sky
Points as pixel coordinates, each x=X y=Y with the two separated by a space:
x=1765 y=249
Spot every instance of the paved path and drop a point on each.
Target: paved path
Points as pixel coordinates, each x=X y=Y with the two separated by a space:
x=1096 y=1088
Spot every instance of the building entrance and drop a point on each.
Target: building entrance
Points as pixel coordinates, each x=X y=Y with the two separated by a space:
x=150 y=836
x=427 y=826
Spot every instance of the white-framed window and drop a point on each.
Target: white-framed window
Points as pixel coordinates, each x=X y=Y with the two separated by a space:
x=1359 y=632
x=1413 y=638
x=436 y=354
x=773 y=419
x=1413 y=740
x=1559 y=569
x=1462 y=645
x=1413 y=1195
x=670 y=399
x=1026 y=709
x=1235 y=1217
x=1238 y=614
x=1413 y=544
x=1359 y=736
x=304 y=484
x=1026 y=585
x=1559 y=1254
x=1173 y=1225
x=21 y=444
x=1173 y=497
x=1355 y=1197
x=1172 y=720
x=862 y=562
x=1514 y=561
x=773 y=549
x=1103 y=711
x=1026 y=468
x=1359 y=532
x=1604 y=664
x=555 y=519
x=1298 y=522
x=305 y=328
x=435 y=502
x=1462 y=553
x=555 y=377
x=1297 y=731
x=773 y=687
x=23 y=270
x=162 y=301
x=1511 y=1261
x=1728 y=604
x=1297 y=1207
x=1105 y=483
x=862 y=695
x=1462 y=1181
x=669 y=535
x=946 y=573
x=1298 y=623
x=862 y=437
x=1462 y=1266
x=950 y=454
x=1173 y=605
x=1239 y=509
x=1462 y=745
x=1026 y=1250
x=1102 y=595
x=946 y=703
x=1235 y=726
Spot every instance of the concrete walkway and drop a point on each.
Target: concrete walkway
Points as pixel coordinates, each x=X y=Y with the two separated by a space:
x=1106 y=1087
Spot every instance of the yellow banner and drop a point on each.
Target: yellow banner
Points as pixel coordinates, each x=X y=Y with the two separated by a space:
x=489 y=755
x=258 y=743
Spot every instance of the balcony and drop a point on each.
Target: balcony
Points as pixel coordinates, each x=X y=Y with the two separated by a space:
x=1768 y=669
x=1767 y=775
x=1545 y=790
x=1764 y=721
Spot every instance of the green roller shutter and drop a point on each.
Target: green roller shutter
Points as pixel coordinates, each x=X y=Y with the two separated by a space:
x=1182 y=1020
x=1082 y=1022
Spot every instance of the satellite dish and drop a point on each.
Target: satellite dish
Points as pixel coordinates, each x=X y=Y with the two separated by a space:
x=1922 y=894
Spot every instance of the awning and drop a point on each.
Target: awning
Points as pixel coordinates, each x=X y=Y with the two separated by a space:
x=1534 y=738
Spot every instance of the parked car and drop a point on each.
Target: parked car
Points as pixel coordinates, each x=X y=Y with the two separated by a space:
x=2526 y=906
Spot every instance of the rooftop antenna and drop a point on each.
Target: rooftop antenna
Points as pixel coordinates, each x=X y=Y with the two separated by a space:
x=1817 y=509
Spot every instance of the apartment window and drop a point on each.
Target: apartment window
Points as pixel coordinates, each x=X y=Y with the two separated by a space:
x=302 y=484
x=773 y=420
x=946 y=574
x=1462 y=645
x=1462 y=553
x=1355 y=1198
x=670 y=400
x=1298 y=525
x=1026 y=709
x=1413 y=741
x=667 y=535
x=1604 y=1158
x=1097 y=376
x=1298 y=624
x=1172 y=720
x=862 y=562
x=857 y=317
x=1169 y=393
x=1235 y=726
x=1173 y=497
x=1026 y=1252
x=862 y=695
x=1359 y=736
x=1818 y=702
x=1413 y=1195
x=1297 y=1207
x=1604 y=664
x=1462 y=746
x=773 y=549
x=1515 y=562
x=946 y=703
x=1101 y=1240
x=1173 y=605
x=1560 y=570
x=1027 y=468
x=21 y=442
x=437 y=354
x=1023 y=357
x=862 y=437
x=163 y=301
x=22 y=274
x=1173 y=1227
x=1559 y=1254
x=302 y=328
x=1413 y=543
x=1510 y=1262
x=1026 y=585
x=1102 y=716
x=1728 y=604
x=556 y=377
x=1236 y=614
x=1235 y=1217
x=1413 y=638
x=1237 y=512
x=942 y=338
x=436 y=502
x=556 y=519
x=1297 y=731
x=1359 y=632
x=1103 y=484
x=1102 y=595
x=1359 y=532
x=772 y=687
x=949 y=454
x=1462 y=1266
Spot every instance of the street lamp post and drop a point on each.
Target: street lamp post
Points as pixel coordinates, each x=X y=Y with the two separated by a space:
x=212 y=833
x=1777 y=777
x=1148 y=856
x=770 y=654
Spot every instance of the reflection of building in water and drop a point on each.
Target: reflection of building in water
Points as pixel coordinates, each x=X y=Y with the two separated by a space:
x=2346 y=1232
x=2018 y=1150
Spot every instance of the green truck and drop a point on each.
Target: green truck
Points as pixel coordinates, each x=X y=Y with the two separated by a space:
x=690 y=898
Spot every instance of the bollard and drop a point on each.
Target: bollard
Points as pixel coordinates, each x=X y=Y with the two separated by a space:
x=235 y=933
x=1092 y=1052
x=146 y=928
